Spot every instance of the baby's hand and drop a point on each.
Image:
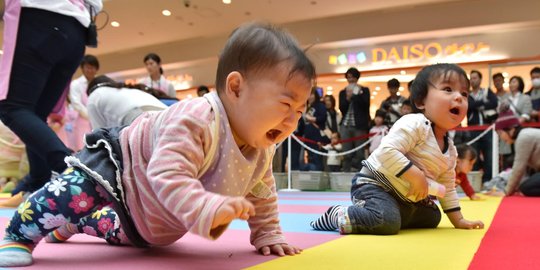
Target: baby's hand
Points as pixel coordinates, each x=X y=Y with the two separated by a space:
x=280 y=250
x=418 y=189
x=234 y=207
x=475 y=197
x=468 y=224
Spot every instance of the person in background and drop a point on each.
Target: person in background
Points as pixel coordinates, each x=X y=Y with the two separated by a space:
x=406 y=107
x=392 y=104
x=314 y=123
x=333 y=117
x=43 y=45
x=202 y=90
x=113 y=104
x=464 y=164
x=194 y=167
x=525 y=176
x=78 y=99
x=391 y=191
x=498 y=84
x=534 y=93
x=378 y=131
x=482 y=111
x=519 y=103
x=155 y=78
x=505 y=150
x=354 y=102
x=334 y=147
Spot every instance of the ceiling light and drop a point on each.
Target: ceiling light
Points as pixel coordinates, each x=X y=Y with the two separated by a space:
x=166 y=12
x=227 y=2
x=403 y=72
x=115 y=24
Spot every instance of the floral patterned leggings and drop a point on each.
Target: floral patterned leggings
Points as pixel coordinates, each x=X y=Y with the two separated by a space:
x=70 y=198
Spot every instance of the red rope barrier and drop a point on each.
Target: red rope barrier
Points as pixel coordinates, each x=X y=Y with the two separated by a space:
x=469 y=128
x=484 y=127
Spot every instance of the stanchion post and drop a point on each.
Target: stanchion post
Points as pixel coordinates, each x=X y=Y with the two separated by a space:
x=495 y=153
x=289 y=158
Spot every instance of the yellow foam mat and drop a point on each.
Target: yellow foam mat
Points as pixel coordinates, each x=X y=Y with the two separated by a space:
x=441 y=248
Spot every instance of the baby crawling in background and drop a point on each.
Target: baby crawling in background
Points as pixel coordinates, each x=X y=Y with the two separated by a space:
x=391 y=190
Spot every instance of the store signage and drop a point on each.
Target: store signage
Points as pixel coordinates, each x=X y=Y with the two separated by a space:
x=411 y=53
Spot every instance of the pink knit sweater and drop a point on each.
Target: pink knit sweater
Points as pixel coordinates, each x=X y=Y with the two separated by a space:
x=182 y=163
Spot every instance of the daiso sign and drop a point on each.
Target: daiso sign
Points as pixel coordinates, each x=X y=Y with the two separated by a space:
x=415 y=53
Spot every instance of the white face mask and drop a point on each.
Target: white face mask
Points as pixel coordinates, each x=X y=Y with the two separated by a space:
x=536 y=83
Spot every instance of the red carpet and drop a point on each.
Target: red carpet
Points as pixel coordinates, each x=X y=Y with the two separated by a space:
x=513 y=240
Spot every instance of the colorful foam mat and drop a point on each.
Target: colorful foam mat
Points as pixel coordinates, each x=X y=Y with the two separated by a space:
x=508 y=241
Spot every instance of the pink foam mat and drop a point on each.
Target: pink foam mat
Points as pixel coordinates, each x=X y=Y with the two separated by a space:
x=231 y=251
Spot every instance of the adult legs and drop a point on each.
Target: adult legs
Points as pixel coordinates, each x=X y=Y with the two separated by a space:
x=359 y=155
x=531 y=186
x=346 y=133
x=484 y=148
x=49 y=49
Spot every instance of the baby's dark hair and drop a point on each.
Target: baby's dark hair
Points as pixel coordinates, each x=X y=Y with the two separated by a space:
x=380 y=113
x=425 y=78
x=406 y=102
x=255 y=48
x=466 y=151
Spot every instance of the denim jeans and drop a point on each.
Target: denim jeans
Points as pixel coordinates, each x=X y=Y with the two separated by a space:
x=376 y=211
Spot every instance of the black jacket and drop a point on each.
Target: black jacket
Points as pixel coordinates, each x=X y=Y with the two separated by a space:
x=360 y=104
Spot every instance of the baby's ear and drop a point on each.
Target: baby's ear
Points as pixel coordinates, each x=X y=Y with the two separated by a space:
x=420 y=105
x=234 y=83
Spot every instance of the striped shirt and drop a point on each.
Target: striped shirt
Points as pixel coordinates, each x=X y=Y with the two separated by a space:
x=411 y=141
x=180 y=164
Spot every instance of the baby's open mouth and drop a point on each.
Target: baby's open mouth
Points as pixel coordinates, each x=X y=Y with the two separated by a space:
x=273 y=134
x=454 y=111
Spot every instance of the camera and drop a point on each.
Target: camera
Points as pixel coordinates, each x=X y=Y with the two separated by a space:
x=187 y=3
x=91 y=35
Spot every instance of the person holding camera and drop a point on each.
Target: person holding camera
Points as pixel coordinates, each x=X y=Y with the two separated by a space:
x=43 y=46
